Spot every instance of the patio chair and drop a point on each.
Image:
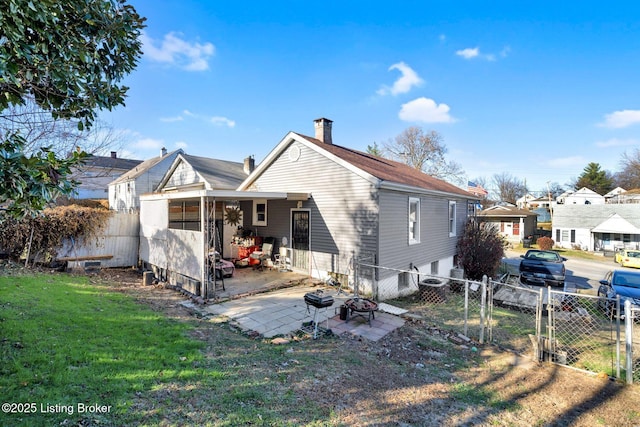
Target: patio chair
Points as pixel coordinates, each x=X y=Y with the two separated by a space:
x=263 y=256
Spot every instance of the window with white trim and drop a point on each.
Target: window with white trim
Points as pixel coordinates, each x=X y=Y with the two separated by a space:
x=260 y=212
x=452 y=218
x=414 y=220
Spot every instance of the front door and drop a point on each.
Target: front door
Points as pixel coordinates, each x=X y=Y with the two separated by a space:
x=300 y=240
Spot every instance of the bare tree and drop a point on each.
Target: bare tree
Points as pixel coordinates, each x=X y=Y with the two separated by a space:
x=424 y=151
x=509 y=188
x=40 y=129
x=629 y=177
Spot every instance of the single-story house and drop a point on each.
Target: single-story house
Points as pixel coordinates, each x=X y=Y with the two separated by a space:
x=513 y=223
x=334 y=210
x=583 y=196
x=602 y=227
x=125 y=191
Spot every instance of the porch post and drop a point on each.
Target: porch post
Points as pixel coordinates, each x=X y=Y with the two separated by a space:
x=204 y=216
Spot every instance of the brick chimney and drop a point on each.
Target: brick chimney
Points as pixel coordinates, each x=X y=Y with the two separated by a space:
x=163 y=152
x=323 y=130
x=249 y=165
x=114 y=154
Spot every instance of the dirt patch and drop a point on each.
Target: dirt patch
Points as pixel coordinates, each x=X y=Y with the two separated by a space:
x=416 y=376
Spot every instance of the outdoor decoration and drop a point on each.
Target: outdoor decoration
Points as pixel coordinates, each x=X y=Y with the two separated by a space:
x=232 y=215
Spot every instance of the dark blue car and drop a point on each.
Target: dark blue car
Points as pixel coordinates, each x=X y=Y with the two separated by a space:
x=624 y=283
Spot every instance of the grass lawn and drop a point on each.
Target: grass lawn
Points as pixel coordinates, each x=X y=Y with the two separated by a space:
x=71 y=347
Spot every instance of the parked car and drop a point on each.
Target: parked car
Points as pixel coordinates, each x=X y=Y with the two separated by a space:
x=628 y=258
x=539 y=267
x=624 y=283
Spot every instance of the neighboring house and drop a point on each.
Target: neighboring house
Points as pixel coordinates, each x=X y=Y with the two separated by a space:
x=584 y=196
x=630 y=196
x=513 y=223
x=97 y=172
x=613 y=195
x=524 y=202
x=335 y=209
x=602 y=227
x=125 y=191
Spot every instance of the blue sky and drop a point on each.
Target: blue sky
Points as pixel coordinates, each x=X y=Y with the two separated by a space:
x=535 y=91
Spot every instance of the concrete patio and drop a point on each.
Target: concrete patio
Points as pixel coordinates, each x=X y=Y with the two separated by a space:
x=271 y=303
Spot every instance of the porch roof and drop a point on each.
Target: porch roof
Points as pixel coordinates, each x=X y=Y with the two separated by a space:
x=225 y=195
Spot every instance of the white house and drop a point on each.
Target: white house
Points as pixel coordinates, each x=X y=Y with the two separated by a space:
x=125 y=191
x=584 y=196
x=601 y=227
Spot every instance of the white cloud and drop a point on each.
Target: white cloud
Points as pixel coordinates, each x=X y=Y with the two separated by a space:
x=174 y=50
x=468 y=53
x=615 y=142
x=181 y=144
x=223 y=121
x=621 y=119
x=471 y=53
x=404 y=83
x=425 y=110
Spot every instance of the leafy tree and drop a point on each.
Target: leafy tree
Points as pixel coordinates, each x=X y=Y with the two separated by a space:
x=509 y=188
x=68 y=58
x=629 y=177
x=595 y=179
x=480 y=250
x=424 y=151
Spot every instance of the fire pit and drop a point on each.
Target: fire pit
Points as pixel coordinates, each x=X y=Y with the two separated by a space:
x=363 y=307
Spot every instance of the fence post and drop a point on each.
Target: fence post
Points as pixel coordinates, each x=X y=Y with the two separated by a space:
x=539 y=341
x=550 y=331
x=618 y=336
x=466 y=307
x=483 y=303
x=628 y=334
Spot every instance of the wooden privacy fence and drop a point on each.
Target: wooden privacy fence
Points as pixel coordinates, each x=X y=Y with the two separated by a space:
x=117 y=247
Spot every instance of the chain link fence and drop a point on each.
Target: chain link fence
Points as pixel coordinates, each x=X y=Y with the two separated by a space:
x=569 y=328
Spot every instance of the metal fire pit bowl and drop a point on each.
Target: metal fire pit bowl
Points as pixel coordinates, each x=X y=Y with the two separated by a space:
x=362 y=307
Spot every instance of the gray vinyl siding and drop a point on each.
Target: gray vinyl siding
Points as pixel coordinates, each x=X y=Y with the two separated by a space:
x=184 y=174
x=435 y=242
x=343 y=205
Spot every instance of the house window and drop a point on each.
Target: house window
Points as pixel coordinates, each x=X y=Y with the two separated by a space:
x=184 y=215
x=452 y=219
x=565 y=235
x=260 y=212
x=414 y=220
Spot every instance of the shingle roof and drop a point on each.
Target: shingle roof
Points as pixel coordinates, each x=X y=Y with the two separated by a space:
x=389 y=170
x=108 y=162
x=506 y=211
x=141 y=168
x=220 y=174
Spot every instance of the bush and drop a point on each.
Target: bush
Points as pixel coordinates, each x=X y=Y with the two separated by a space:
x=480 y=250
x=545 y=243
x=45 y=234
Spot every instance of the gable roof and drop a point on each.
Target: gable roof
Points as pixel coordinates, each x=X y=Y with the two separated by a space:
x=591 y=216
x=108 y=162
x=143 y=167
x=216 y=174
x=506 y=211
x=386 y=172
